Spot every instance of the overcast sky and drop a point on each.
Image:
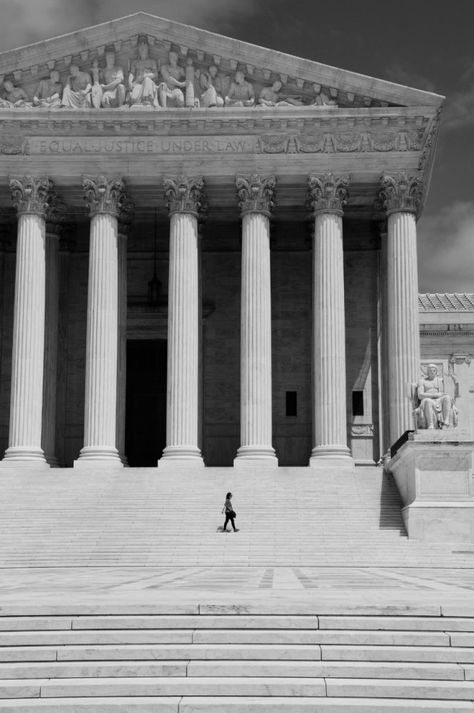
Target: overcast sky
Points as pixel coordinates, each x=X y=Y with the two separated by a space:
x=428 y=44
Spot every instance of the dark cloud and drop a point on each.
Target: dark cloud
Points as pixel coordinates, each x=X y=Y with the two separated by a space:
x=446 y=249
x=406 y=76
x=26 y=21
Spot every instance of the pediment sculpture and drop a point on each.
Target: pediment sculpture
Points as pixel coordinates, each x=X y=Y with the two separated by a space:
x=434 y=407
x=159 y=83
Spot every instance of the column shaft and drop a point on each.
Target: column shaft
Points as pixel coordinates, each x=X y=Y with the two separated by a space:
x=256 y=343
x=102 y=342
x=182 y=417
x=122 y=343
x=329 y=353
x=403 y=320
x=28 y=341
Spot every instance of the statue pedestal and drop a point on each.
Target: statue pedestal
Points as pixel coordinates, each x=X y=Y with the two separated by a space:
x=433 y=471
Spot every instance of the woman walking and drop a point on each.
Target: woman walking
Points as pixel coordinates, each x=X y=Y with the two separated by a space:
x=229 y=513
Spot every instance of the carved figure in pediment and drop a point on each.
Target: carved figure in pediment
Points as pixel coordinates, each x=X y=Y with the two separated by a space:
x=190 y=76
x=272 y=97
x=14 y=97
x=322 y=98
x=77 y=92
x=220 y=81
x=174 y=81
x=143 y=77
x=49 y=92
x=209 y=96
x=241 y=92
x=435 y=407
x=108 y=89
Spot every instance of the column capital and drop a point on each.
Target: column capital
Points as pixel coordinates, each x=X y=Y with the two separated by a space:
x=126 y=214
x=31 y=194
x=103 y=194
x=256 y=194
x=401 y=193
x=328 y=193
x=184 y=194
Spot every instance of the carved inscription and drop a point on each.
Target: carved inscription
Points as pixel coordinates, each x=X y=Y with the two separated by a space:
x=78 y=145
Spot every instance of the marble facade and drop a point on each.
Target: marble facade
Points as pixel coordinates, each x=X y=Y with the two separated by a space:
x=269 y=245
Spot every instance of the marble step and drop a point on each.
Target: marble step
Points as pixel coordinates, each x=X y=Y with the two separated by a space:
x=232 y=636
x=216 y=704
x=238 y=686
x=199 y=652
x=247 y=622
x=298 y=669
x=166 y=686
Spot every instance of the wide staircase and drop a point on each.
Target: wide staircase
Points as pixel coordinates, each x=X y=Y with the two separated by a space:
x=149 y=517
x=226 y=659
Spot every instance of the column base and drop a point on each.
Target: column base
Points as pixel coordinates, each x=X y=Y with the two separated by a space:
x=330 y=455
x=100 y=456
x=256 y=457
x=176 y=456
x=24 y=456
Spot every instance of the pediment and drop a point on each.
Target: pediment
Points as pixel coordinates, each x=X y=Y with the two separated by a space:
x=300 y=78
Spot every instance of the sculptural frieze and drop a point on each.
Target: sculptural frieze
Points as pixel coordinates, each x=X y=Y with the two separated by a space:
x=144 y=73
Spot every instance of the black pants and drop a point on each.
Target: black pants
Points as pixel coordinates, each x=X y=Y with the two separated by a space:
x=229 y=517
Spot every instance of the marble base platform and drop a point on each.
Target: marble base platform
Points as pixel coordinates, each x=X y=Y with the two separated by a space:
x=433 y=471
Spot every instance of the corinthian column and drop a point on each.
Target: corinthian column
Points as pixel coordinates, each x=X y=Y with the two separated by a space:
x=104 y=197
x=328 y=195
x=184 y=196
x=401 y=196
x=255 y=194
x=30 y=196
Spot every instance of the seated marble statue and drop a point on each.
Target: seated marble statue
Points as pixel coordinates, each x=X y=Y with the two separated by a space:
x=77 y=92
x=209 y=96
x=271 y=97
x=14 y=97
x=435 y=408
x=143 y=77
x=322 y=98
x=108 y=90
x=174 y=81
x=241 y=92
x=49 y=92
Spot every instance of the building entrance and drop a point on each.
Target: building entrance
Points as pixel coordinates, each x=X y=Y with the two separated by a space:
x=145 y=426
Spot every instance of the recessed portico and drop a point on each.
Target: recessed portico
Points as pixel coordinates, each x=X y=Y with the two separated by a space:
x=233 y=233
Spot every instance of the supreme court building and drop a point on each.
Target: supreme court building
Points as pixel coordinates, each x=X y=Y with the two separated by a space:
x=208 y=252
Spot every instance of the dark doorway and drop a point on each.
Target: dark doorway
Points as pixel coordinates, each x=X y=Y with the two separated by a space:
x=145 y=429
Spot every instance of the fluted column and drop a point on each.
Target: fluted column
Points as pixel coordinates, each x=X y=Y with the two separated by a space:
x=401 y=196
x=328 y=194
x=103 y=196
x=54 y=220
x=125 y=220
x=30 y=196
x=255 y=194
x=184 y=196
